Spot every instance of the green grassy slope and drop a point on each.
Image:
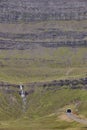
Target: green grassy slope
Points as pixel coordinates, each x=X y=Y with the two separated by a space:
x=42 y=64
x=43 y=110
x=10 y=106
x=44 y=103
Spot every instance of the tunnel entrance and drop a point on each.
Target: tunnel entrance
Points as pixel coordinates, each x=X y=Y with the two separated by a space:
x=69 y=110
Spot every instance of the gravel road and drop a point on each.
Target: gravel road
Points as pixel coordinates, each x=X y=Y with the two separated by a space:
x=77 y=119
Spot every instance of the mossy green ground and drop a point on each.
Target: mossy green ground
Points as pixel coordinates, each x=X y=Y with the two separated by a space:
x=43 y=110
x=42 y=64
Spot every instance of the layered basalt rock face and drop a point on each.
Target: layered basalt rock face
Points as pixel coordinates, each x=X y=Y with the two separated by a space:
x=31 y=40
x=48 y=34
x=32 y=10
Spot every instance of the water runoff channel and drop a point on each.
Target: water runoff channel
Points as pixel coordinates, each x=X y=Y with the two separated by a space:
x=23 y=96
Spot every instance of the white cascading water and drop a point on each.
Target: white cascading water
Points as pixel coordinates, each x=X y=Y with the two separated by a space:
x=23 y=96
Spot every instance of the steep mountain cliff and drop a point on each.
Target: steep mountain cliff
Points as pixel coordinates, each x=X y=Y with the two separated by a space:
x=32 y=10
x=25 y=24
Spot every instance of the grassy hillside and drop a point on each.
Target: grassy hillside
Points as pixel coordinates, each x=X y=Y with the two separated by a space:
x=42 y=64
x=29 y=52
x=10 y=106
x=45 y=110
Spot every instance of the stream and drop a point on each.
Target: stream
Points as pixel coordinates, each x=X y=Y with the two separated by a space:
x=23 y=96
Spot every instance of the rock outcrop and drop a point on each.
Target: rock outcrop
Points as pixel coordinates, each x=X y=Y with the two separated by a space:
x=12 y=11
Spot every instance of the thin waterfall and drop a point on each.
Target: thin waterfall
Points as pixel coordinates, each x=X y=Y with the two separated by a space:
x=23 y=96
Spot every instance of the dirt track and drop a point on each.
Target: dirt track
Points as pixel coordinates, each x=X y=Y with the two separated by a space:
x=77 y=119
